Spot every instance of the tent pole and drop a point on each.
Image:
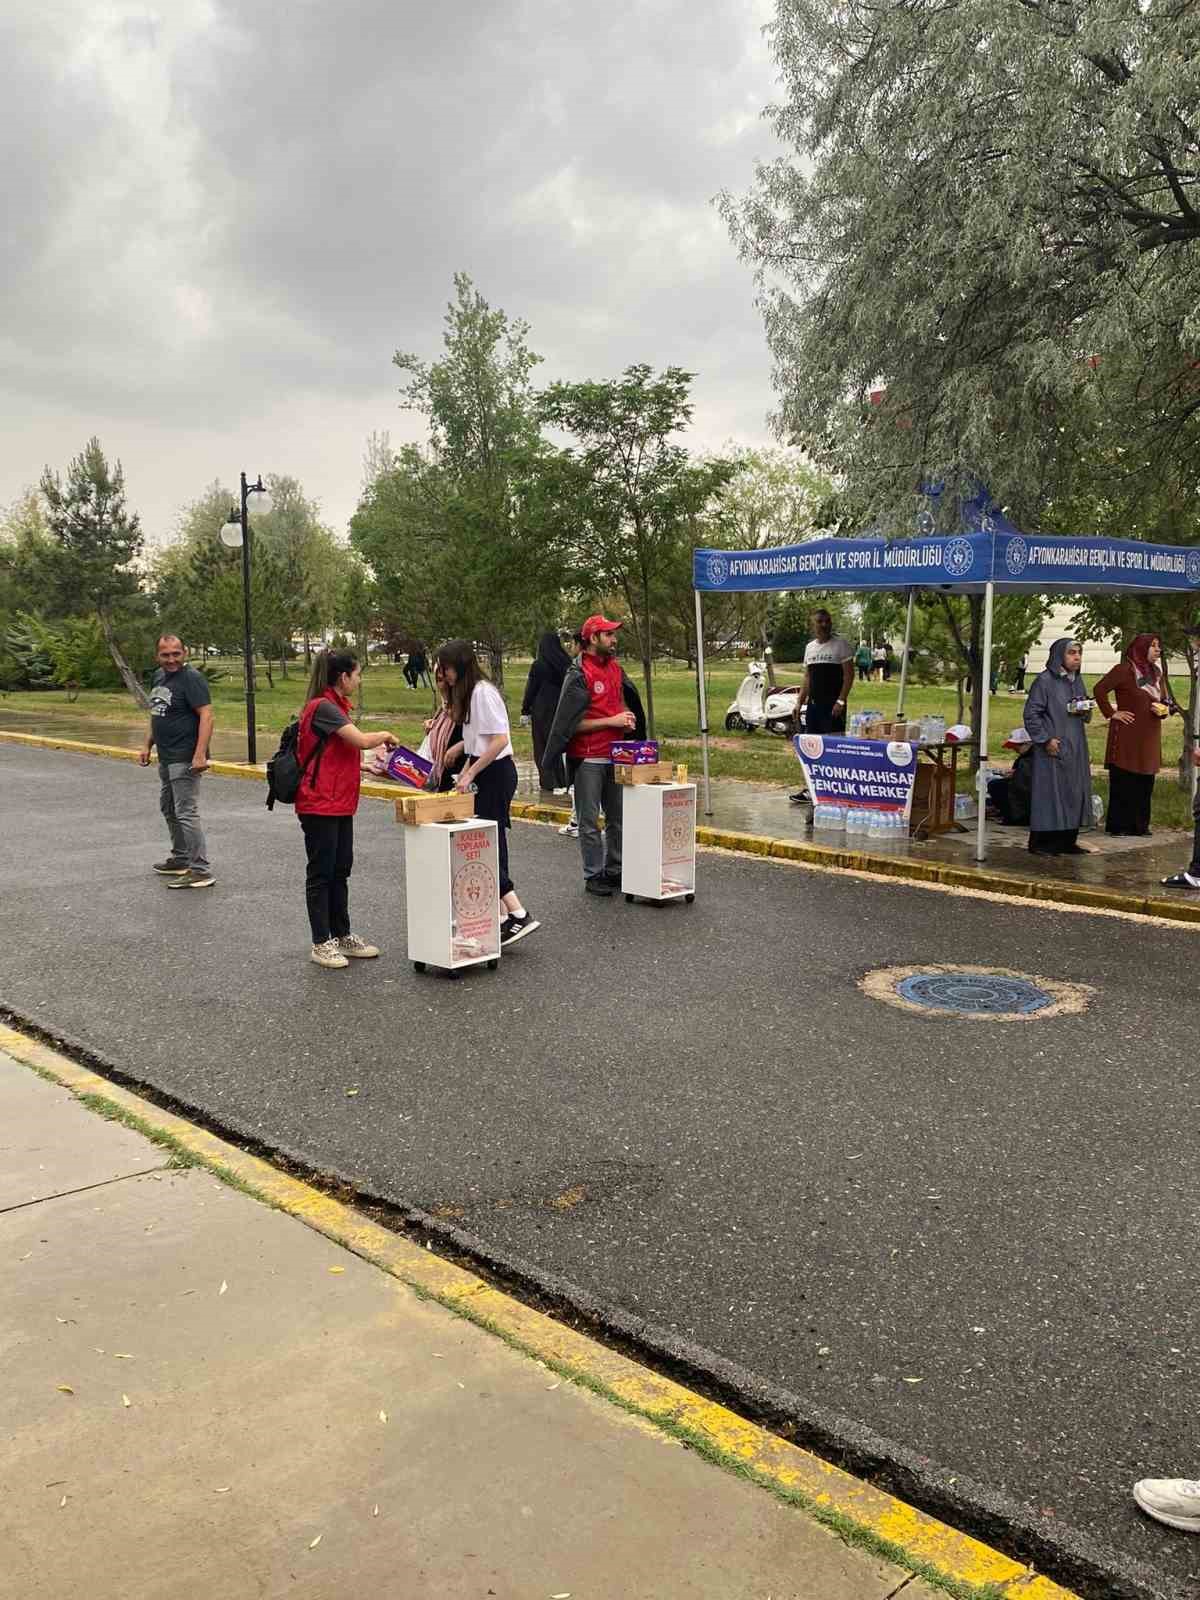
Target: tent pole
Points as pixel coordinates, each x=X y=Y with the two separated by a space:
x=981 y=779
x=904 y=658
x=703 y=703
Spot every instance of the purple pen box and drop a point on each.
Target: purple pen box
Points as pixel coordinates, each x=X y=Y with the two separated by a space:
x=635 y=752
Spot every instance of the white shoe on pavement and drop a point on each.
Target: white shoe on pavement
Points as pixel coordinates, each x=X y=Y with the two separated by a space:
x=328 y=954
x=1175 y=1501
x=352 y=945
x=570 y=829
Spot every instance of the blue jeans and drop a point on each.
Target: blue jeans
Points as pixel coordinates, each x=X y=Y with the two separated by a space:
x=596 y=790
x=179 y=801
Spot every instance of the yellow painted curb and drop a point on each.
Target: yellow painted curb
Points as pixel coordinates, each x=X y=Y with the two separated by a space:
x=920 y=1540
x=754 y=844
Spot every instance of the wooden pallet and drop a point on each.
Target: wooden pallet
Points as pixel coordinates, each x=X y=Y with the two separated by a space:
x=417 y=808
x=650 y=772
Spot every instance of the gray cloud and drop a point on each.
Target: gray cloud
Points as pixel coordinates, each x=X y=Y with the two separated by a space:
x=224 y=218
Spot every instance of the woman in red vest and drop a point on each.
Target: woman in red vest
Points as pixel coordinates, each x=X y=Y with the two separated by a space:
x=329 y=750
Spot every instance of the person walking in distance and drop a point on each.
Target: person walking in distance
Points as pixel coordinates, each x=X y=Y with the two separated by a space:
x=598 y=705
x=477 y=706
x=329 y=749
x=181 y=723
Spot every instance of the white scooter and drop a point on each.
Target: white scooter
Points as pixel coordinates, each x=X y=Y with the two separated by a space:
x=756 y=706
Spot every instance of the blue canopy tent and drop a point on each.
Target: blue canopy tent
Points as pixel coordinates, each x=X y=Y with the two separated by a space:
x=991 y=558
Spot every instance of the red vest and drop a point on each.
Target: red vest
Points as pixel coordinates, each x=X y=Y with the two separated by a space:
x=338 y=767
x=605 y=681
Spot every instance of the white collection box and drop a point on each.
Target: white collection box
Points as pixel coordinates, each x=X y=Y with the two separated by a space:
x=658 y=848
x=452 y=882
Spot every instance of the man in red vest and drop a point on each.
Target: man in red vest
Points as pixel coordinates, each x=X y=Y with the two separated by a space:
x=597 y=706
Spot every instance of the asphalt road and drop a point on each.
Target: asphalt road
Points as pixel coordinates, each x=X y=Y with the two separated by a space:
x=974 y=1242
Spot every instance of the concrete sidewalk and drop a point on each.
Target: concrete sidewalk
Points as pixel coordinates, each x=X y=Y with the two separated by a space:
x=204 y=1396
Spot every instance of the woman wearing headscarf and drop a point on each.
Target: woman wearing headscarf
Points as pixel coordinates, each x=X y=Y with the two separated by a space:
x=1056 y=715
x=542 y=690
x=1134 y=752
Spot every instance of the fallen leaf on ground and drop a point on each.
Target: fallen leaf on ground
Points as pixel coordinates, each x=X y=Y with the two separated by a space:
x=565 y=1595
x=552 y=1386
x=374 y=1511
x=316 y=1541
x=225 y=1488
x=122 y=1355
x=337 y=1269
x=383 y=1416
x=125 y=1400
x=350 y=1093
x=65 y=1388
x=912 y=1380
x=62 y=1502
x=223 y=1287
x=462 y=1386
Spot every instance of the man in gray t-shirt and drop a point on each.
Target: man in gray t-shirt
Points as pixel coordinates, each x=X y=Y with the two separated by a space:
x=180 y=730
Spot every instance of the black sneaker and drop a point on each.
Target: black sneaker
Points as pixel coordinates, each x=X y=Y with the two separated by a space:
x=800 y=798
x=170 y=869
x=514 y=928
x=613 y=877
x=600 y=885
x=1181 y=880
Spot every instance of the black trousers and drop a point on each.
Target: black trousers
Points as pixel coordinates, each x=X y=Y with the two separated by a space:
x=329 y=842
x=1129 y=798
x=494 y=789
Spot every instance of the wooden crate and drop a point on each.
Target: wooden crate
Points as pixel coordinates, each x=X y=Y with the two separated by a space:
x=648 y=772
x=416 y=808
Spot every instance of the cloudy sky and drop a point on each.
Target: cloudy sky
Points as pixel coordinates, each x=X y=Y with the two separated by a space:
x=221 y=218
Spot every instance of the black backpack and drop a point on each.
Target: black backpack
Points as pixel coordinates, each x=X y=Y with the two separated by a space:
x=285 y=773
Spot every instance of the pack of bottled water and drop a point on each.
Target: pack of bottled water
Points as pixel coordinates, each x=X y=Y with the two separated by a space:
x=829 y=818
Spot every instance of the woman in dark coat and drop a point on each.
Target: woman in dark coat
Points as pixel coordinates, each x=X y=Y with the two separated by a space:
x=1134 y=752
x=1061 y=791
x=542 y=690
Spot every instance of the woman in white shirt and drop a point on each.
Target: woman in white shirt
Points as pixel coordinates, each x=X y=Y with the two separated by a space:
x=477 y=706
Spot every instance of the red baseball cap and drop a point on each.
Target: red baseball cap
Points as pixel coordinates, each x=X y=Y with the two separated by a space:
x=598 y=624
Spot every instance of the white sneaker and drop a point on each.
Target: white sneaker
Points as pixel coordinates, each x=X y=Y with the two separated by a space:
x=352 y=945
x=328 y=954
x=1175 y=1501
x=571 y=829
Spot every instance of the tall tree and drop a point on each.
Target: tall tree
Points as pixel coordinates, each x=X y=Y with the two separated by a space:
x=993 y=212
x=464 y=533
x=97 y=542
x=637 y=487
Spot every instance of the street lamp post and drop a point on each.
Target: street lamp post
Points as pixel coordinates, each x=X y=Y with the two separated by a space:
x=237 y=532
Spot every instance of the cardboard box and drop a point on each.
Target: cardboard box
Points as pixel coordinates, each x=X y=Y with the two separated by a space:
x=415 y=809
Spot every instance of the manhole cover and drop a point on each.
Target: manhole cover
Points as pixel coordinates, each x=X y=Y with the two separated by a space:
x=991 y=994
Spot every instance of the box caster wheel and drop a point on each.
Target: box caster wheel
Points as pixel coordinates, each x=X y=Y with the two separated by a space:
x=418 y=966
x=689 y=898
x=492 y=965
x=628 y=899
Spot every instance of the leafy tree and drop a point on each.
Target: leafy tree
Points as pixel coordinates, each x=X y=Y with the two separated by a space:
x=636 y=488
x=983 y=194
x=465 y=533
x=96 y=544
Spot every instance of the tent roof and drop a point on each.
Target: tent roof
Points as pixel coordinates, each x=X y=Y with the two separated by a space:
x=1017 y=563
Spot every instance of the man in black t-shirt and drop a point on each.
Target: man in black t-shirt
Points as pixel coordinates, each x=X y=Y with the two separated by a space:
x=828 y=678
x=180 y=730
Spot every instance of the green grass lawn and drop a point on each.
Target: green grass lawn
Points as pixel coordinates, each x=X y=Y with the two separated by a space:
x=759 y=757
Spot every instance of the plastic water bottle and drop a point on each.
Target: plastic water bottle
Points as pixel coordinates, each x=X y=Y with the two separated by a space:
x=877 y=825
x=1097 y=809
x=822 y=821
x=837 y=818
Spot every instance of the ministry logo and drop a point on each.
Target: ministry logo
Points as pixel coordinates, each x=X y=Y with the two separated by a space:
x=717 y=568
x=1193 y=566
x=959 y=558
x=1016 y=556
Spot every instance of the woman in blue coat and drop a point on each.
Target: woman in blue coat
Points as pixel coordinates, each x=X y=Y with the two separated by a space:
x=1056 y=715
